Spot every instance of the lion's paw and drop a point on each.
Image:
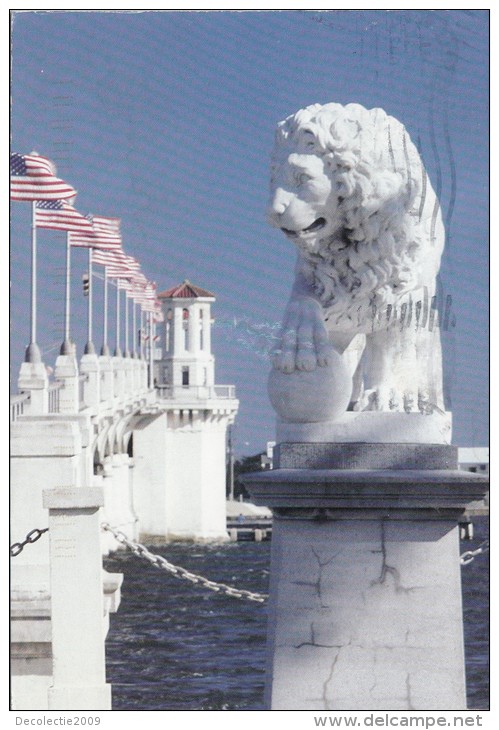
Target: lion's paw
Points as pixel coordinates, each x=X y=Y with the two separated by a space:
x=388 y=399
x=304 y=342
x=374 y=399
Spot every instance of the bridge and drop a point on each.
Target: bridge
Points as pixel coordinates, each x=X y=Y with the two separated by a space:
x=134 y=441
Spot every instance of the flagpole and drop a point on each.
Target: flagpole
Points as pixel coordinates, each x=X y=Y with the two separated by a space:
x=105 y=348
x=127 y=353
x=33 y=354
x=141 y=333
x=151 y=354
x=117 y=351
x=89 y=347
x=134 y=325
x=66 y=345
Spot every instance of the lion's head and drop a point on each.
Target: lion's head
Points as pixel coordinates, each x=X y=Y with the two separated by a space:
x=349 y=189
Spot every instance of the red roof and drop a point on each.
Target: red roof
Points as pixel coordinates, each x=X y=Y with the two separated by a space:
x=185 y=290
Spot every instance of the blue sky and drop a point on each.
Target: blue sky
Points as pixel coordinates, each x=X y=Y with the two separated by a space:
x=166 y=120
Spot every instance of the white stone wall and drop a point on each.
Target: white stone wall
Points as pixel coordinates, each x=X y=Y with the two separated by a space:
x=195 y=481
x=150 y=497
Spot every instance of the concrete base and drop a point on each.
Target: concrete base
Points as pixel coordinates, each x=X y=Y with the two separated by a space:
x=80 y=698
x=30 y=691
x=179 y=475
x=365 y=594
x=370 y=426
x=365 y=616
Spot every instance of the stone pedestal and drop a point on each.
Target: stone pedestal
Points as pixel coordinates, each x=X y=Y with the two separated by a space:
x=128 y=373
x=66 y=371
x=119 y=377
x=106 y=378
x=118 y=489
x=144 y=375
x=136 y=374
x=77 y=603
x=365 y=610
x=89 y=366
x=33 y=380
x=369 y=426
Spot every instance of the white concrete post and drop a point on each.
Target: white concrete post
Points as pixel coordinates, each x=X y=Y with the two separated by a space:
x=77 y=600
x=118 y=491
x=89 y=365
x=33 y=380
x=119 y=377
x=143 y=374
x=106 y=378
x=136 y=374
x=365 y=598
x=128 y=365
x=66 y=370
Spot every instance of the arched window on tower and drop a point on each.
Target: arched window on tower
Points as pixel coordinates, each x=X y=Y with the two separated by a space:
x=185 y=325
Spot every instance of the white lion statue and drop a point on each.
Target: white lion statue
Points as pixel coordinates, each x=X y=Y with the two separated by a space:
x=348 y=187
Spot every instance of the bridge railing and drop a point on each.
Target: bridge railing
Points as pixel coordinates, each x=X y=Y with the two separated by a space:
x=54 y=391
x=195 y=391
x=82 y=379
x=71 y=393
x=19 y=405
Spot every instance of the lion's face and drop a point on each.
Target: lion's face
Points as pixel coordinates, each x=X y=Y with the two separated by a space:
x=304 y=200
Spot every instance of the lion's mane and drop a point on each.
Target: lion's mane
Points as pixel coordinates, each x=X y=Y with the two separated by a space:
x=392 y=235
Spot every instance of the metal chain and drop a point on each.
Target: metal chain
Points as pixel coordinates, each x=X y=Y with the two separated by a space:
x=470 y=555
x=159 y=562
x=30 y=538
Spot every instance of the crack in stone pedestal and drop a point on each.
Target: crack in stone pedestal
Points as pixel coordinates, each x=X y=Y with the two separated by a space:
x=328 y=680
x=317 y=584
x=409 y=692
x=390 y=569
x=313 y=642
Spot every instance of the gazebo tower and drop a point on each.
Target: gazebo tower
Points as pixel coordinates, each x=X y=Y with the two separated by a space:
x=187 y=363
x=189 y=496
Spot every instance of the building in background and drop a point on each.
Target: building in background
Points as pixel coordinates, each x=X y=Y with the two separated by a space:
x=185 y=464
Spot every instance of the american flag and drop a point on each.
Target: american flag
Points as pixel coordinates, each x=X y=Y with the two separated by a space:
x=33 y=177
x=107 y=258
x=119 y=270
x=132 y=263
x=108 y=228
x=138 y=283
x=119 y=266
x=158 y=316
x=115 y=263
x=105 y=234
x=148 y=298
x=60 y=215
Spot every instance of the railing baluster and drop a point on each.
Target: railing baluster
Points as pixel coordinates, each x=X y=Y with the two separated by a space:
x=54 y=396
x=18 y=405
x=199 y=391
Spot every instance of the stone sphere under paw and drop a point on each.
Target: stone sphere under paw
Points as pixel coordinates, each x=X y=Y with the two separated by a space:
x=311 y=396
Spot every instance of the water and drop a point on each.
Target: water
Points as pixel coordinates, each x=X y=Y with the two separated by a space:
x=175 y=646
